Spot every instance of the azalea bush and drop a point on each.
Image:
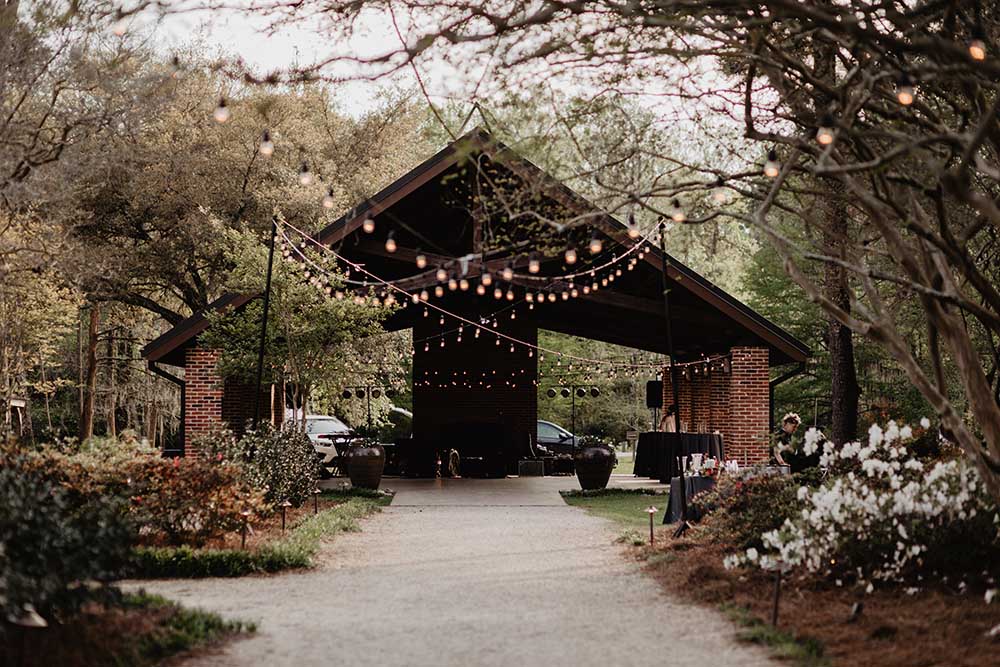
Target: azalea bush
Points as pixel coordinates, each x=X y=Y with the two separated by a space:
x=280 y=462
x=58 y=544
x=883 y=515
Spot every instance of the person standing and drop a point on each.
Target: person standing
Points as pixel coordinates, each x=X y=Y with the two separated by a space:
x=783 y=447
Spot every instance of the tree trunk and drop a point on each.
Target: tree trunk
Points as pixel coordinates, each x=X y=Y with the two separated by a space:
x=90 y=383
x=112 y=390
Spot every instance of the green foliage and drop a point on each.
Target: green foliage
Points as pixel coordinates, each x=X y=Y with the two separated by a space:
x=53 y=539
x=737 y=512
x=294 y=551
x=280 y=462
x=624 y=506
x=800 y=651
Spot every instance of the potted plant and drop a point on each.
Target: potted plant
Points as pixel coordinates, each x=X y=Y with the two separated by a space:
x=594 y=461
x=367 y=459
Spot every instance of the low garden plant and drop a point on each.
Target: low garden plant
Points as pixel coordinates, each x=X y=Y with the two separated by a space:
x=883 y=516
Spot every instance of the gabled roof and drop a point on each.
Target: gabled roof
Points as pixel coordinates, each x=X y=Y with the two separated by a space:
x=755 y=328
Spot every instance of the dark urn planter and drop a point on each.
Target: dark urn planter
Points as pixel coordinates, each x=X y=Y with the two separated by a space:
x=594 y=464
x=365 y=467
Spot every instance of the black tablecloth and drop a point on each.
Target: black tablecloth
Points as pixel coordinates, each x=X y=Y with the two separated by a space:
x=657 y=452
x=693 y=486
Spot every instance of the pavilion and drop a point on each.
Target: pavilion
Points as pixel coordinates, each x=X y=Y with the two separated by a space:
x=458 y=210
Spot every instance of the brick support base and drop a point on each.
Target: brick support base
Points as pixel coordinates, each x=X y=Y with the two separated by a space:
x=202 y=396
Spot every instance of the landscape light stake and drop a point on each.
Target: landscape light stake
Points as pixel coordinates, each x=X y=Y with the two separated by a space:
x=651 y=511
x=673 y=373
x=284 y=506
x=263 y=324
x=316 y=493
x=777 y=596
x=243 y=530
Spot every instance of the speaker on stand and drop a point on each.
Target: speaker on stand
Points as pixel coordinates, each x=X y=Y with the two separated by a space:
x=654 y=400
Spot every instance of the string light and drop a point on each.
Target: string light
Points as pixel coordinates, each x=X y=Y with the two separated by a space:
x=221 y=113
x=905 y=91
x=510 y=295
x=772 y=168
x=424 y=295
x=328 y=201
x=596 y=245
x=570 y=256
x=977 y=45
x=507 y=273
x=633 y=229
x=480 y=289
x=368 y=225
x=498 y=293
x=824 y=135
x=463 y=285
x=719 y=191
x=452 y=284
x=390 y=243
x=438 y=291
x=441 y=275
x=676 y=213
x=305 y=176
x=266 y=147
x=421 y=261
x=534 y=265
x=486 y=279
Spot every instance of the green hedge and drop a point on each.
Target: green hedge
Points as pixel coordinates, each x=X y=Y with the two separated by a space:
x=293 y=551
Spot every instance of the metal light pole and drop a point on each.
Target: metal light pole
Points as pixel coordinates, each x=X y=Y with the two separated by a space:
x=673 y=372
x=263 y=324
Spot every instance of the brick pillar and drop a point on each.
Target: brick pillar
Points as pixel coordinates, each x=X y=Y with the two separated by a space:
x=202 y=396
x=748 y=434
x=701 y=398
x=719 y=398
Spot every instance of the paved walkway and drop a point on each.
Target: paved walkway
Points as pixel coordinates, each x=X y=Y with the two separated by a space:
x=467 y=572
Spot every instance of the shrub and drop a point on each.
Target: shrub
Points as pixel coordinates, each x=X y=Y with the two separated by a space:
x=280 y=462
x=886 y=516
x=55 y=542
x=188 y=501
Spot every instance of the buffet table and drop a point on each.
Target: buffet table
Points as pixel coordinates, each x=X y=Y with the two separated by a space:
x=692 y=487
x=657 y=453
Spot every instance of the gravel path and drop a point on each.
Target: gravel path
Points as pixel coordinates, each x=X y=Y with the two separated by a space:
x=466 y=583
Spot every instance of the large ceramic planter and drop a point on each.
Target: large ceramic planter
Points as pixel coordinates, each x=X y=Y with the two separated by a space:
x=365 y=466
x=594 y=464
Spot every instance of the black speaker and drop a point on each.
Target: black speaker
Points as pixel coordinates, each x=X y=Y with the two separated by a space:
x=654 y=394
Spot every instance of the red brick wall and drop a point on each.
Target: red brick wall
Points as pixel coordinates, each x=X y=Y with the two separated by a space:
x=749 y=405
x=735 y=404
x=237 y=405
x=202 y=396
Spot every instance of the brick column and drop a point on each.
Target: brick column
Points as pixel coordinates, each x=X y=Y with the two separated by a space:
x=747 y=439
x=719 y=388
x=701 y=390
x=202 y=396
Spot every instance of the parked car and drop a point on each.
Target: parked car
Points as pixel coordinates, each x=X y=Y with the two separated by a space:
x=330 y=438
x=554 y=439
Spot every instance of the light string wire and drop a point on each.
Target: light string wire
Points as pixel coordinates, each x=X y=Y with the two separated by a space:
x=427 y=304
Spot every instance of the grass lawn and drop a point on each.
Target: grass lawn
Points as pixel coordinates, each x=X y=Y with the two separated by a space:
x=626 y=507
x=626 y=464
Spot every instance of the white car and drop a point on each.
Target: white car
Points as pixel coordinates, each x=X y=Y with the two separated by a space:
x=326 y=432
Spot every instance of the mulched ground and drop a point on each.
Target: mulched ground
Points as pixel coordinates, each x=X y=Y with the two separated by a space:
x=933 y=627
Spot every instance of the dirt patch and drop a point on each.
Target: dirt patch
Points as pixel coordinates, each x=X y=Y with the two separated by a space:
x=893 y=629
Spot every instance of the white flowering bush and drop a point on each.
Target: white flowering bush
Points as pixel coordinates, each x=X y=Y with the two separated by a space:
x=882 y=515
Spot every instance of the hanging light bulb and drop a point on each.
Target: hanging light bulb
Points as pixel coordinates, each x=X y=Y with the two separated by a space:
x=390 y=243
x=120 y=26
x=305 y=176
x=905 y=92
x=977 y=45
x=507 y=273
x=424 y=295
x=438 y=291
x=452 y=284
x=498 y=293
x=552 y=297
x=266 y=145
x=824 y=135
x=540 y=297
x=574 y=292
x=427 y=347
x=719 y=191
x=570 y=256
x=533 y=265
x=221 y=113
x=463 y=285
x=633 y=229
x=441 y=320
x=677 y=213
x=565 y=295
x=586 y=289
x=513 y=314
x=328 y=201
x=421 y=261
x=510 y=295
x=529 y=297
x=368 y=225
x=441 y=275
x=772 y=167
x=415 y=298
x=487 y=279
x=595 y=245
x=480 y=289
